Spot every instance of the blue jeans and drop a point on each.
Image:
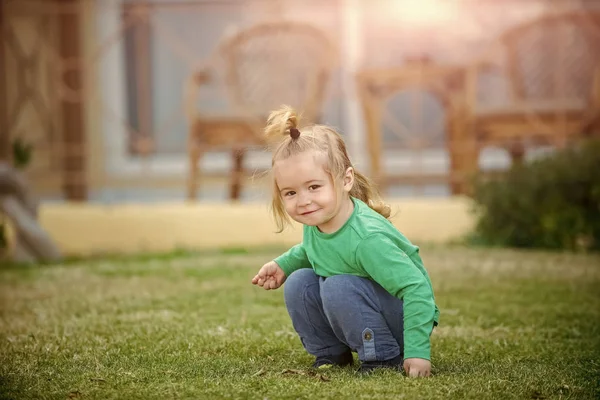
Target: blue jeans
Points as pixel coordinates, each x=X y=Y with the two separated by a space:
x=342 y=313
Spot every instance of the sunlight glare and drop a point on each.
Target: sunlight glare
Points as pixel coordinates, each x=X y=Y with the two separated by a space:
x=425 y=13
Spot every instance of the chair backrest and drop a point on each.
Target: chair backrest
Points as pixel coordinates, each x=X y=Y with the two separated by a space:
x=274 y=63
x=554 y=57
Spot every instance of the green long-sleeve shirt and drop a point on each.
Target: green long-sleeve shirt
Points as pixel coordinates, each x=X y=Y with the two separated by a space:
x=370 y=246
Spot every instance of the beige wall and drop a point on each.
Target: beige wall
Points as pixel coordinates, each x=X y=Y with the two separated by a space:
x=91 y=229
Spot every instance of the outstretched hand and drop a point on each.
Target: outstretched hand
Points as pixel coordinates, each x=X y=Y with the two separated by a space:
x=270 y=276
x=417 y=367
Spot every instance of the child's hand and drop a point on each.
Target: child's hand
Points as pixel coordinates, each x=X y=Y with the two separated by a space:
x=416 y=367
x=270 y=276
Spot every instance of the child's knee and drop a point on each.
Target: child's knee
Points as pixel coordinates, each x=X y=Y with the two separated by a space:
x=338 y=290
x=298 y=281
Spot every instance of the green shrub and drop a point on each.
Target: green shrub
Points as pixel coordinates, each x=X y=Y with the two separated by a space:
x=552 y=202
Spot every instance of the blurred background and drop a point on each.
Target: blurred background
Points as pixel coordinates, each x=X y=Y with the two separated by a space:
x=130 y=101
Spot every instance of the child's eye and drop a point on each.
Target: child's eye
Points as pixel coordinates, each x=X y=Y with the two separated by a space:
x=290 y=193
x=314 y=187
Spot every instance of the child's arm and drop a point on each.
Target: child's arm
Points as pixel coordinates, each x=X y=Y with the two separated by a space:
x=293 y=259
x=394 y=271
x=274 y=273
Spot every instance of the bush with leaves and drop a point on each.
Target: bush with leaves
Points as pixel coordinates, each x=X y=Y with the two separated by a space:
x=552 y=202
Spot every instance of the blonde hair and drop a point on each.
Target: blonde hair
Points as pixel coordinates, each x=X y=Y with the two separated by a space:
x=319 y=138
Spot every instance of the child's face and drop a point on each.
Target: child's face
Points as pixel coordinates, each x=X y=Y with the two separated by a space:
x=307 y=189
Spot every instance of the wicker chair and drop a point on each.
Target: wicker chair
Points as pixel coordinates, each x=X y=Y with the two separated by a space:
x=552 y=70
x=264 y=66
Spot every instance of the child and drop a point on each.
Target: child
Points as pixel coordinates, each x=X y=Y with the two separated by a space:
x=355 y=283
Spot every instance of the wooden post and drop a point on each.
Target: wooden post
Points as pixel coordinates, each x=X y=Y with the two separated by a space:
x=4 y=134
x=74 y=157
x=237 y=174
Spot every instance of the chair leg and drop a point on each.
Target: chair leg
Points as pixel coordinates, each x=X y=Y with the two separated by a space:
x=462 y=150
x=193 y=172
x=464 y=162
x=237 y=174
x=374 y=147
x=455 y=178
x=517 y=153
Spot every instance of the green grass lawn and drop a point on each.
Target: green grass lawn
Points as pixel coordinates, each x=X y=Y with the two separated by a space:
x=513 y=324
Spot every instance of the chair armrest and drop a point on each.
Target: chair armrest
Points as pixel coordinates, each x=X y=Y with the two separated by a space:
x=596 y=90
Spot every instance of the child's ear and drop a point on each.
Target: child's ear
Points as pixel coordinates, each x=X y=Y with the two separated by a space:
x=348 y=179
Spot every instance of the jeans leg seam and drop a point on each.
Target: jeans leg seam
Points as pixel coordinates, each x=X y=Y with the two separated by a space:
x=400 y=345
x=373 y=295
x=312 y=326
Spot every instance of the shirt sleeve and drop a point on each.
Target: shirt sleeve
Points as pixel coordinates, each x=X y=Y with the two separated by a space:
x=393 y=269
x=293 y=259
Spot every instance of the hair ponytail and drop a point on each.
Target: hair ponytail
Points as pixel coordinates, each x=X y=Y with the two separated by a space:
x=280 y=124
x=364 y=190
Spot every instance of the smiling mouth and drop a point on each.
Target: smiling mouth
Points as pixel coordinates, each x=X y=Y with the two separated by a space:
x=309 y=212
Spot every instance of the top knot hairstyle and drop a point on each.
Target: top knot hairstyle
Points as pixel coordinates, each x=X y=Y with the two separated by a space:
x=281 y=123
x=287 y=140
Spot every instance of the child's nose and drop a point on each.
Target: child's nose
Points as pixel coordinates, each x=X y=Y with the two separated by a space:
x=305 y=200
